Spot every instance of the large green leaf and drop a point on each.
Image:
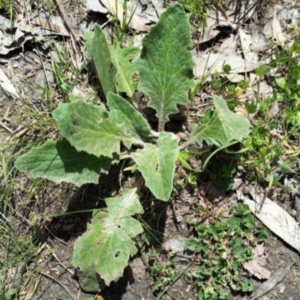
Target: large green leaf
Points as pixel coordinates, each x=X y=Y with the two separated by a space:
x=166 y=65
x=121 y=58
x=157 y=164
x=59 y=161
x=223 y=127
x=88 y=128
x=106 y=71
x=107 y=244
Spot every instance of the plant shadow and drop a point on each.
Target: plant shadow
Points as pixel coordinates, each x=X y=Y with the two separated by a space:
x=73 y=222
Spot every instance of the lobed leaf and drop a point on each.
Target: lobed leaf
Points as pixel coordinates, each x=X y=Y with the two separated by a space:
x=121 y=58
x=59 y=161
x=91 y=129
x=133 y=123
x=108 y=239
x=157 y=164
x=165 y=64
x=223 y=127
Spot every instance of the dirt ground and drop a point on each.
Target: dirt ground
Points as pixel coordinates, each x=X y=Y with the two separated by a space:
x=136 y=283
x=59 y=233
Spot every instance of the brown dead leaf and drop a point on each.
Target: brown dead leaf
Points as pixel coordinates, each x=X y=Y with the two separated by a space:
x=281 y=289
x=255 y=266
x=274 y=279
x=259 y=250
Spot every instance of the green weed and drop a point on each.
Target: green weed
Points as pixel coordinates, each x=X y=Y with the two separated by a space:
x=274 y=140
x=97 y=136
x=223 y=246
x=7 y=7
x=164 y=273
x=197 y=10
x=66 y=74
x=18 y=254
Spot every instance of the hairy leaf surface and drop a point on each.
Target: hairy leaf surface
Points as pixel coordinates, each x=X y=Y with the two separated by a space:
x=90 y=281
x=106 y=71
x=88 y=38
x=157 y=164
x=91 y=129
x=121 y=58
x=107 y=244
x=59 y=161
x=223 y=127
x=165 y=64
x=133 y=123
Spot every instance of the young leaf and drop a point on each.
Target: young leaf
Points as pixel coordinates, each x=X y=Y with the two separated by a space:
x=121 y=58
x=108 y=239
x=59 y=161
x=166 y=65
x=106 y=71
x=262 y=70
x=281 y=82
x=133 y=122
x=88 y=129
x=223 y=127
x=157 y=164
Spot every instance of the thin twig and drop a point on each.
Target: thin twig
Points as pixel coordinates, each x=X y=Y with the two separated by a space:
x=55 y=279
x=67 y=21
x=6 y=128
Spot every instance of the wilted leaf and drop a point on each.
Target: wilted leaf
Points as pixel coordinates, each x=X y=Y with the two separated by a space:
x=214 y=62
x=59 y=161
x=274 y=279
x=223 y=127
x=250 y=57
x=106 y=71
x=6 y=85
x=108 y=239
x=88 y=128
x=121 y=58
x=277 y=29
x=157 y=164
x=166 y=65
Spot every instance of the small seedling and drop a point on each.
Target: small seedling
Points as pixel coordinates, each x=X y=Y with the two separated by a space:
x=164 y=273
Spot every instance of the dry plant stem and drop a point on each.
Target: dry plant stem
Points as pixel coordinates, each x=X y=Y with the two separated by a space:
x=6 y=128
x=67 y=21
x=55 y=279
x=218 y=5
